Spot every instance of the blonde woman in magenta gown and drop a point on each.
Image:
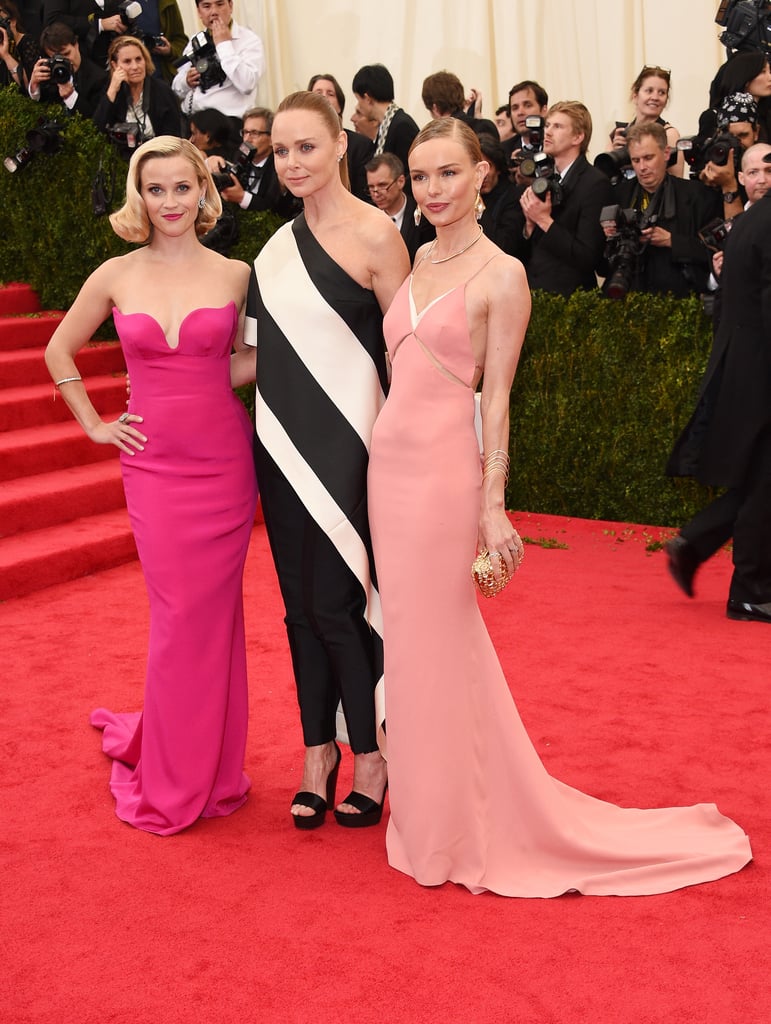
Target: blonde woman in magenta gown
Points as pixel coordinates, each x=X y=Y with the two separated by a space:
x=185 y=450
x=470 y=799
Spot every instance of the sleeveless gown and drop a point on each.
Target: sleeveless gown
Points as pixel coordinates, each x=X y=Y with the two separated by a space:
x=470 y=799
x=191 y=497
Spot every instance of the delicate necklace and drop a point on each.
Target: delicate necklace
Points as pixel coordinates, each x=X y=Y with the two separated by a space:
x=460 y=252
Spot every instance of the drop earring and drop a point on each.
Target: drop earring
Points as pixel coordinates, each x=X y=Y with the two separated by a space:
x=201 y=202
x=479 y=206
x=417 y=215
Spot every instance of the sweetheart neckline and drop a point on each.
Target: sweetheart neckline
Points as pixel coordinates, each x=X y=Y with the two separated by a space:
x=185 y=318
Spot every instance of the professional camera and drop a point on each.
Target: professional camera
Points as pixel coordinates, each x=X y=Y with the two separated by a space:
x=240 y=168
x=125 y=134
x=205 y=60
x=747 y=25
x=718 y=149
x=60 y=67
x=532 y=136
x=129 y=11
x=624 y=248
x=45 y=138
x=540 y=168
x=715 y=233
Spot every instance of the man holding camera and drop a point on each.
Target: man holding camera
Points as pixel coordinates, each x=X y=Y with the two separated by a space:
x=666 y=254
x=224 y=66
x=562 y=234
x=64 y=75
x=737 y=124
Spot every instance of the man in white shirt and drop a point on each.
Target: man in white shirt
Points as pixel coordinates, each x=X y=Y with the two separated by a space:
x=239 y=51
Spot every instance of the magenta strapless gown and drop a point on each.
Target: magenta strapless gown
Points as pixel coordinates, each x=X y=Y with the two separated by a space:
x=191 y=498
x=471 y=801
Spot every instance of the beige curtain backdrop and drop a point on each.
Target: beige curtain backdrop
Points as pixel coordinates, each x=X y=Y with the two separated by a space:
x=578 y=49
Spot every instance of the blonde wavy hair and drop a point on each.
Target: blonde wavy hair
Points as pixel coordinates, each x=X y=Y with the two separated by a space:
x=131 y=222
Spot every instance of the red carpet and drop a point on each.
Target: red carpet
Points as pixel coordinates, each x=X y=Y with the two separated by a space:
x=630 y=691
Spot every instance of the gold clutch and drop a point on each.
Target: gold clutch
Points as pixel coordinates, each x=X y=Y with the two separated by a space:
x=484 y=577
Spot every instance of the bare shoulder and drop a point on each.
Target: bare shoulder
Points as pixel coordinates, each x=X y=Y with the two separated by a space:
x=235 y=272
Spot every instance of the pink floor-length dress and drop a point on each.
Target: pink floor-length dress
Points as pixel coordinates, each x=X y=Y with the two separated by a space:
x=191 y=497
x=470 y=800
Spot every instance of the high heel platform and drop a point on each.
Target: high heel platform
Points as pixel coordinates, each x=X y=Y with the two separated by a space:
x=369 y=814
x=315 y=802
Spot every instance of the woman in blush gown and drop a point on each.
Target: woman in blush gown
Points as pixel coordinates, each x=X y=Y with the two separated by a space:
x=185 y=450
x=470 y=799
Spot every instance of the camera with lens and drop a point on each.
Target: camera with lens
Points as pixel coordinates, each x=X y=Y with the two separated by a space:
x=205 y=60
x=715 y=233
x=532 y=136
x=45 y=138
x=747 y=25
x=60 y=67
x=718 y=149
x=124 y=134
x=623 y=249
x=240 y=168
x=544 y=179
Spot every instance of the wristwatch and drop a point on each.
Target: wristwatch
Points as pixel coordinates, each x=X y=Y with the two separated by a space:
x=730 y=197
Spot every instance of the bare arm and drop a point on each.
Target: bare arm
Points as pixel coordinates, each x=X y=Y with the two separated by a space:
x=90 y=309
x=507 y=320
x=390 y=263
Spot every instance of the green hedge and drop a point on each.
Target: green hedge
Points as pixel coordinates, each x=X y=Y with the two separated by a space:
x=602 y=390
x=50 y=237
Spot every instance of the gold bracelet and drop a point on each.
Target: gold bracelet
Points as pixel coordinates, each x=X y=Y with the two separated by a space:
x=497 y=462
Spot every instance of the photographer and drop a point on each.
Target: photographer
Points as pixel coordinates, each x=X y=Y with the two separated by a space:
x=134 y=99
x=663 y=252
x=18 y=51
x=160 y=28
x=65 y=76
x=737 y=130
x=564 y=240
x=95 y=22
x=254 y=184
x=226 y=77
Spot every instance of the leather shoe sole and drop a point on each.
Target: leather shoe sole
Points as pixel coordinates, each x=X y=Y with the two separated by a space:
x=682 y=563
x=746 y=612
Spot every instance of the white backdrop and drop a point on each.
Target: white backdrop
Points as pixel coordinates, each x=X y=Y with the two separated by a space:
x=578 y=49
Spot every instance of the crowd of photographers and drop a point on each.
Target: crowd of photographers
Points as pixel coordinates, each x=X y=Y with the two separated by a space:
x=649 y=213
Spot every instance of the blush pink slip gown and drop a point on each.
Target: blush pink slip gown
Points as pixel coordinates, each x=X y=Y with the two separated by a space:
x=191 y=497
x=470 y=799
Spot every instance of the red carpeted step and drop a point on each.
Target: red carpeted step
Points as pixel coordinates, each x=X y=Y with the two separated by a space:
x=36 y=502
x=44 y=449
x=18 y=298
x=30 y=406
x=27 y=365
x=27 y=331
x=40 y=558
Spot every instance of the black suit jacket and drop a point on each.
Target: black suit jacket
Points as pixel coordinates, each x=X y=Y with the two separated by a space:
x=502 y=218
x=567 y=256
x=268 y=194
x=162 y=108
x=360 y=152
x=415 y=235
x=734 y=406
x=398 y=140
x=682 y=269
x=90 y=82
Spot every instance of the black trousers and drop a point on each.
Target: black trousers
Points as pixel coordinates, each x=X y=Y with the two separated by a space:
x=329 y=639
x=743 y=513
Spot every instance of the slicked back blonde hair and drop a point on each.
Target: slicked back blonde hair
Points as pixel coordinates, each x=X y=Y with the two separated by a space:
x=315 y=103
x=131 y=222
x=451 y=128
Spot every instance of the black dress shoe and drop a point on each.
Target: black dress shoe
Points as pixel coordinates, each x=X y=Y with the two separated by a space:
x=682 y=562
x=746 y=612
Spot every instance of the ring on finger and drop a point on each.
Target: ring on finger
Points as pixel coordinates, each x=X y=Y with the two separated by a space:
x=123 y=418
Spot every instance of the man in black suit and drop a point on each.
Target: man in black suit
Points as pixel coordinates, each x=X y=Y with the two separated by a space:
x=727 y=442
x=259 y=188
x=373 y=88
x=672 y=258
x=386 y=180
x=563 y=238
x=82 y=91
